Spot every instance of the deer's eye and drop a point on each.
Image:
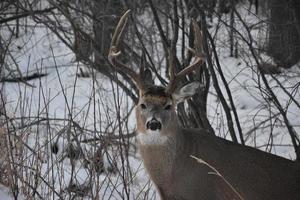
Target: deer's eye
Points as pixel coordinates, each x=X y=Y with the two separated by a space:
x=143 y=106
x=168 y=107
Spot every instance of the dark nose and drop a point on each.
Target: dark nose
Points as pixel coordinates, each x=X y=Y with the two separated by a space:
x=153 y=124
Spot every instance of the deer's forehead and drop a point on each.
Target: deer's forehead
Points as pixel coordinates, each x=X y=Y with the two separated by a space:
x=156 y=99
x=155 y=95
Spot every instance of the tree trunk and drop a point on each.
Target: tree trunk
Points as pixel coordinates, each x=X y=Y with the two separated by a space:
x=284 y=32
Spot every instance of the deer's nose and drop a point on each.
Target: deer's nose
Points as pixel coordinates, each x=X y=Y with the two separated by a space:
x=153 y=124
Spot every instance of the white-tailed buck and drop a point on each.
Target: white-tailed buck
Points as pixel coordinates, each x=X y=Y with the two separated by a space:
x=228 y=171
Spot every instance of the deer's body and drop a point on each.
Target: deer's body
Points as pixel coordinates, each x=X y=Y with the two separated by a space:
x=166 y=148
x=253 y=173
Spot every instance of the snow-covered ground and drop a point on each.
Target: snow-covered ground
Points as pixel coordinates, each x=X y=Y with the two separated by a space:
x=61 y=97
x=5 y=194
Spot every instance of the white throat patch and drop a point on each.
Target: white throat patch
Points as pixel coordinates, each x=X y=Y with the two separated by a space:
x=152 y=138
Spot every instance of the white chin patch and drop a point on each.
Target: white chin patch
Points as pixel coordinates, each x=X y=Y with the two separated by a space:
x=152 y=138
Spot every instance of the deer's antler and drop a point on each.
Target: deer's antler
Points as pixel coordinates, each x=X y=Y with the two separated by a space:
x=199 y=59
x=114 y=45
x=114 y=51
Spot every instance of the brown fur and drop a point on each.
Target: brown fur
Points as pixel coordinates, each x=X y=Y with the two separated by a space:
x=158 y=100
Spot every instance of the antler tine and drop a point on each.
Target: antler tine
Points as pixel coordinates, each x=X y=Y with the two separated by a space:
x=114 y=51
x=114 y=45
x=199 y=55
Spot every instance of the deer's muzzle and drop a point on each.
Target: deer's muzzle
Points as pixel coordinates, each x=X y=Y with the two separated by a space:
x=153 y=124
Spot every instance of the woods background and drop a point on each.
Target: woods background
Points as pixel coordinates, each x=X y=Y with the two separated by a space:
x=66 y=115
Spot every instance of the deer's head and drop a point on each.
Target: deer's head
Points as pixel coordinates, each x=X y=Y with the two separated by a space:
x=155 y=110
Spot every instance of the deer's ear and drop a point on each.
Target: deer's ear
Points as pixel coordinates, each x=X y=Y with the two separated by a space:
x=185 y=92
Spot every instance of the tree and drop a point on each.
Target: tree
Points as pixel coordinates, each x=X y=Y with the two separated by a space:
x=284 y=32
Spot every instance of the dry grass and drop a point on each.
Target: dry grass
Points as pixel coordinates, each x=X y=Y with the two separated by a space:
x=5 y=168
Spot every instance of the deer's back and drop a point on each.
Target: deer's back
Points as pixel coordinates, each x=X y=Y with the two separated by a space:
x=253 y=173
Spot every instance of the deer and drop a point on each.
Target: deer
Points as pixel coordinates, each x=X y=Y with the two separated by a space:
x=193 y=164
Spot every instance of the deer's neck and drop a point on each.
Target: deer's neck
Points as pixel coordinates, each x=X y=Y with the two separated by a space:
x=159 y=158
